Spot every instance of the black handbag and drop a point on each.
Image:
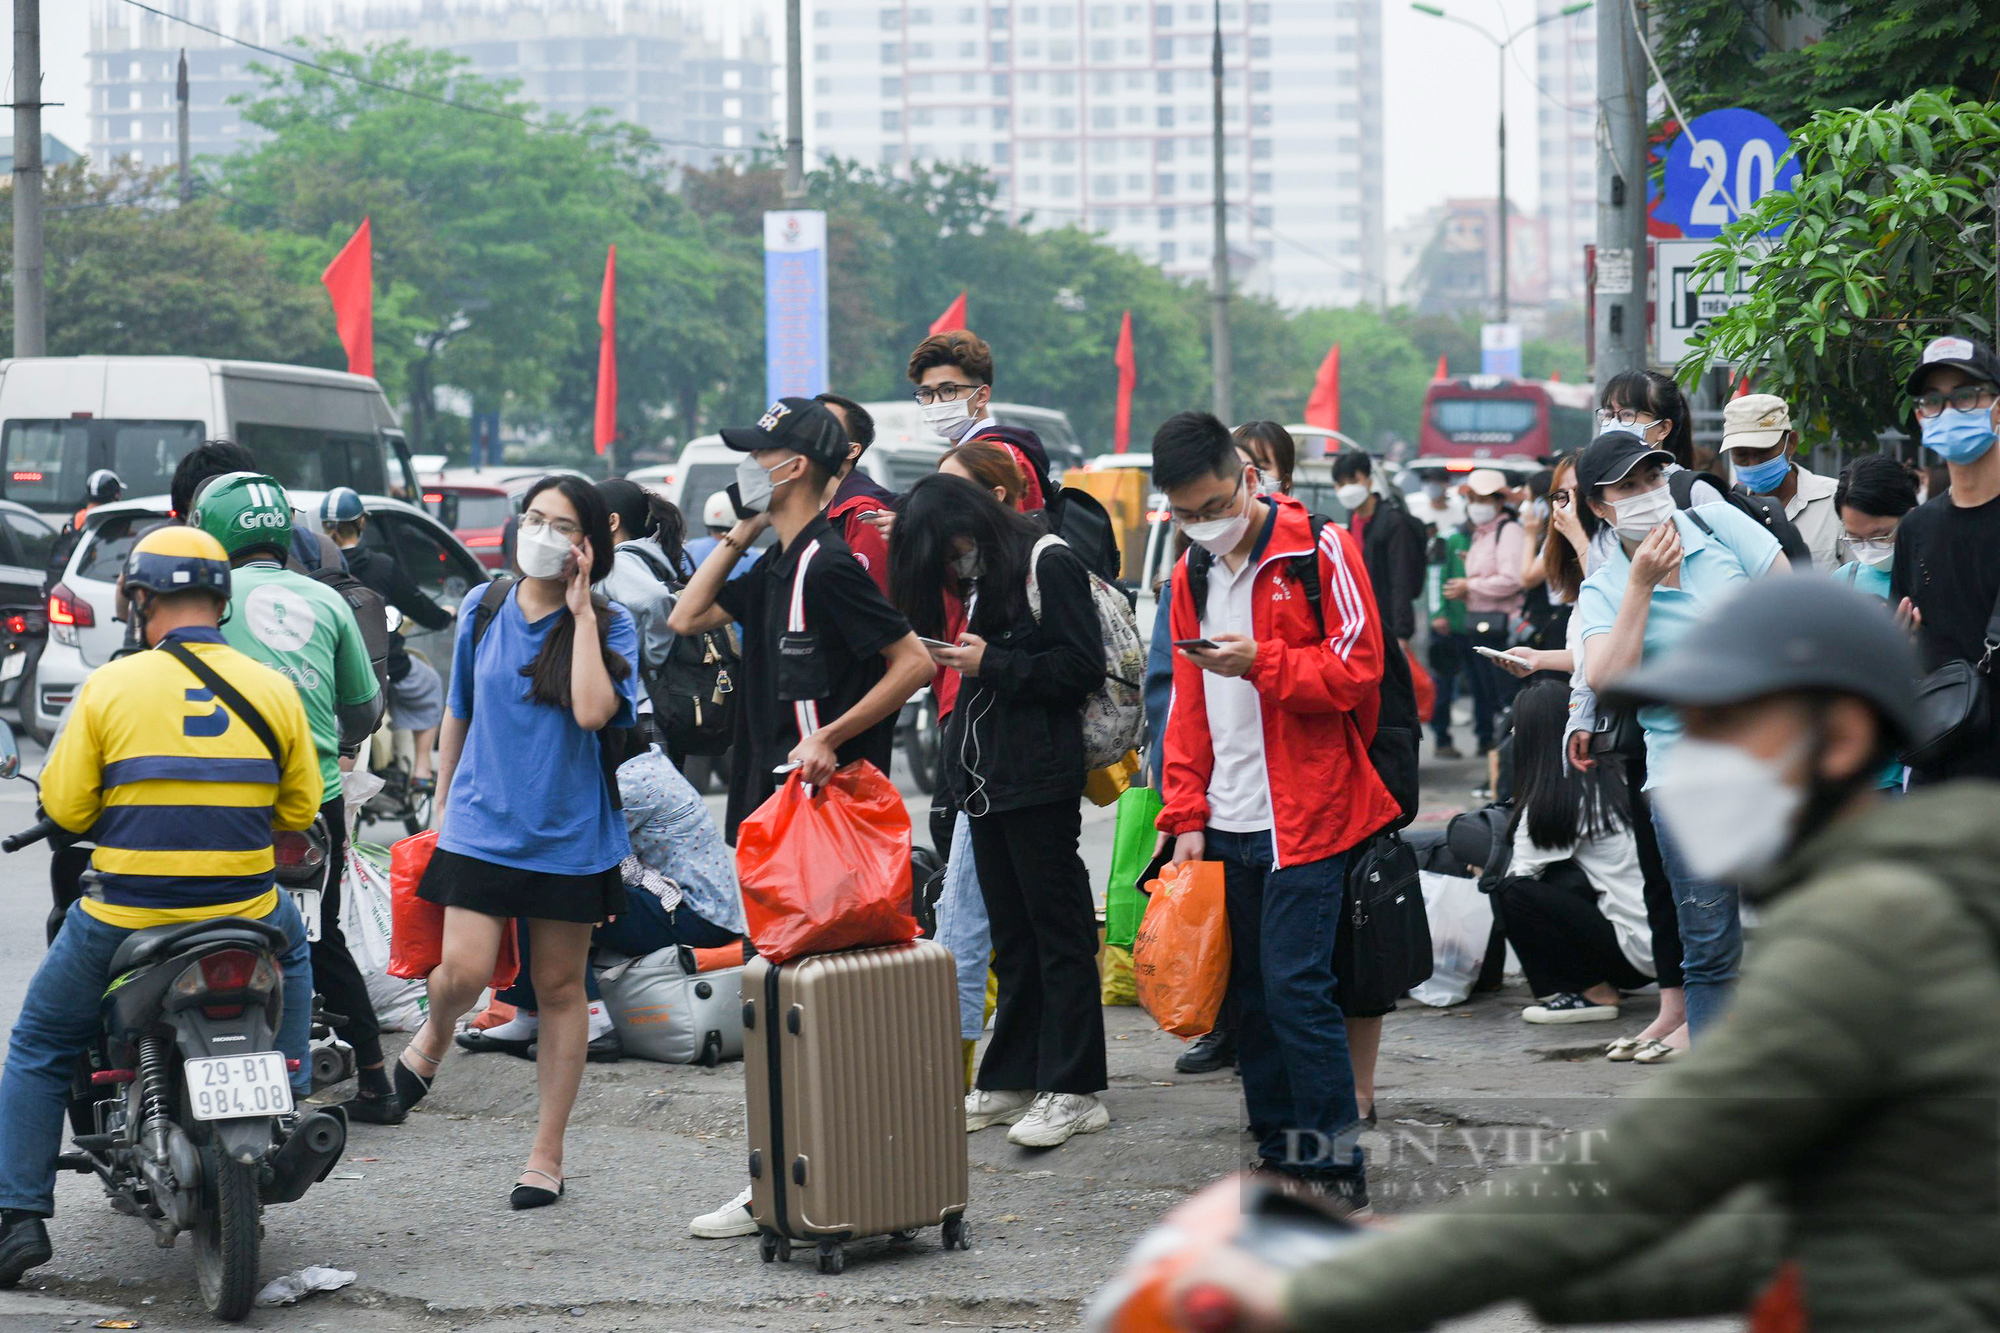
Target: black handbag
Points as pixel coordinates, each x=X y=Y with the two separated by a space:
x=1384 y=945
x=1955 y=706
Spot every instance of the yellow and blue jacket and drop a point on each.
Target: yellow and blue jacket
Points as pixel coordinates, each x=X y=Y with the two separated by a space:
x=176 y=790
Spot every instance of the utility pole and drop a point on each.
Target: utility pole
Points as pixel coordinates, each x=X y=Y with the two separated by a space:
x=1219 y=269
x=181 y=102
x=1501 y=53
x=30 y=316
x=795 y=107
x=1621 y=283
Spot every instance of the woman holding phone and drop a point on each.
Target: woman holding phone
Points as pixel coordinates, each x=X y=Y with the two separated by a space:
x=527 y=827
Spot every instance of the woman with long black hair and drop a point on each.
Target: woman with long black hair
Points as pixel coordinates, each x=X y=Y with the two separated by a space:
x=527 y=827
x=649 y=565
x=1013 y=760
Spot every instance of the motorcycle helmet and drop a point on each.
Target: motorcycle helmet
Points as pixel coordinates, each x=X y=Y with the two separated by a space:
x=245 y=511
x=103 y=486
x=341 y=505
x=177 y=558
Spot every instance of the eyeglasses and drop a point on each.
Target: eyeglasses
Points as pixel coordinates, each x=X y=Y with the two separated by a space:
x=1624 y=416
x=533 y=522
x=946 y=392
x=1963 y=398
x=1214 y=509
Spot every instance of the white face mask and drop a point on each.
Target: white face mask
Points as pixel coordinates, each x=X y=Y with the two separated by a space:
x=1874 y=552
x=1482 y=512
x=1640 y=514
x=540 y=552
x=951 y=420
x=1219 y=535
x=1728 y=811
x=1351 y=496
x=754 y=485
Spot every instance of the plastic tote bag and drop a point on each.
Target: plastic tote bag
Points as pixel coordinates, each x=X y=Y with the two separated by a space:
x=366 y=921
x=1461 y=921
x=827 y=868
x=416 y=937
x=1180 y=962
x=1132 y=841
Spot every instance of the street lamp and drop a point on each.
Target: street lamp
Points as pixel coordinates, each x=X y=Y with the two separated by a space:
x=1500 y=45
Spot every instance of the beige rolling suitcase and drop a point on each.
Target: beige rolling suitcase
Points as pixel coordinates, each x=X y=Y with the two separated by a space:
x=853 y=1072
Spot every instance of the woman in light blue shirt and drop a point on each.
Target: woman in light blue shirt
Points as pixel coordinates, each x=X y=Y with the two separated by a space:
x=1687 y=562
x=1875 y=492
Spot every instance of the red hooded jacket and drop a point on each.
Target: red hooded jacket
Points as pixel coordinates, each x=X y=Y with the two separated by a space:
x=1319 y=690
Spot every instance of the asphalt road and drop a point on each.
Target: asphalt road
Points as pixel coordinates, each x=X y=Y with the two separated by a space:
x=418 y=1211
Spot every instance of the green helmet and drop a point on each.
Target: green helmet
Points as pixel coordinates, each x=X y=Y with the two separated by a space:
x=245 y=511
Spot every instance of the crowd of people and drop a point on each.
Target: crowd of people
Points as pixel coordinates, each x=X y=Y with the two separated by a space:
x=1674 y=722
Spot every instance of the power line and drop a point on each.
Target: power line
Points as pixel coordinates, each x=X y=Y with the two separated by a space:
x=583 y=131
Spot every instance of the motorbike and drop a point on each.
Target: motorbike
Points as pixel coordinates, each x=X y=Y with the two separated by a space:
x=24 y=630
x=392 y=757
x=182 y=1107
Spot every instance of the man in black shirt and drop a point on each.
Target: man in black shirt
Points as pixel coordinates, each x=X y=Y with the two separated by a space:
x=827 y=662
x=1393 y=542
x=1946 y=579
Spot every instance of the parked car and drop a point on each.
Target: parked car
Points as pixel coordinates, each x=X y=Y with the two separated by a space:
x=26 y=539
x=63 y=417
x=477 y=515
x=83 y=635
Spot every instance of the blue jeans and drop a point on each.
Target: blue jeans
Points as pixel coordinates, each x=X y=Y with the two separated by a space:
x=1291 y=1038
x=962 y=927
x=644 y=927
x=58 y=1022
x=1711 y=925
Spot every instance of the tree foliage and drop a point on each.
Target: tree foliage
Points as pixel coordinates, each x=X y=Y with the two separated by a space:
x=1890 y=243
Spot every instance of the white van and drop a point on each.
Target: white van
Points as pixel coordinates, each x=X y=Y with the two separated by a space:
x=899 y=421
x=707 y=465
x=62 y=418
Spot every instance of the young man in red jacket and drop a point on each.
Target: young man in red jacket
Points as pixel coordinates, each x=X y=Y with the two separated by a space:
x=1267 y=771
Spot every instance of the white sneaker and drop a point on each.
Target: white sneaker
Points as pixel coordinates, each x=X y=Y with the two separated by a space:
x=984 y=1108
x=600 y=1020
x=1057 y=1115
x=732 y=1219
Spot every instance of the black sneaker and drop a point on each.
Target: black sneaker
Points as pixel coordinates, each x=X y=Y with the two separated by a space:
x=1569 y=1007
x=375 y=1110
x=24 y=1244
x=1208 y=1053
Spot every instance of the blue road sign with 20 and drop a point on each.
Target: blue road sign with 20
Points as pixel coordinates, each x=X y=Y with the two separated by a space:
x=1720 y=166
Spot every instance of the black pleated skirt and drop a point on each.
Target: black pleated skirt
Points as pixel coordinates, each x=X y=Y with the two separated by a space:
x=456 y=880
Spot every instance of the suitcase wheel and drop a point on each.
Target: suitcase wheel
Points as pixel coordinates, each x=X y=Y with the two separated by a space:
x=907 y=1233
x=832 y=1257
x=954 y=1233
x=771 y=1248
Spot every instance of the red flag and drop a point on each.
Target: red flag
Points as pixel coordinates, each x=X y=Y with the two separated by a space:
x=607 y=356
x=350 y=281
x=1323 y=408
x=1128 y=375
x=1555 y=377
x=1742 y=384
x=1443 y=371
x=952 y=319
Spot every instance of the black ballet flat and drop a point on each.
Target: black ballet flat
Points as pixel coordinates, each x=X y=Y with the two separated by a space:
x=412 y=1087
x=534 y=1196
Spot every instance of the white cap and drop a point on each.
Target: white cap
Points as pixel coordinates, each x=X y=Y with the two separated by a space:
x=717 y=512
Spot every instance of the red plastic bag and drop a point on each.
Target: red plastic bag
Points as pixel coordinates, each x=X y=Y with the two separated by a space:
x=827 y=870
x=1180 y=960
x=1426 y=688
x=416 y=928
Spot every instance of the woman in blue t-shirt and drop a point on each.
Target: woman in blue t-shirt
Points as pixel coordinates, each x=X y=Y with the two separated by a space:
x=528 y=828
x=1686 y=562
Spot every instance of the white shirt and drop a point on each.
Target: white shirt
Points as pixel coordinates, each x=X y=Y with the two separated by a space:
x=1239 y=790
x=1813 y=514
x=1611 y=864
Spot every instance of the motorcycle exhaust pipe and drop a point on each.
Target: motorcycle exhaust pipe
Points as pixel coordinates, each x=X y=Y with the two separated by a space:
x=306 y=1156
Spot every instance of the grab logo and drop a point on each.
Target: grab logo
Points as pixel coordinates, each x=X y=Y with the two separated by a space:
x=282 y=622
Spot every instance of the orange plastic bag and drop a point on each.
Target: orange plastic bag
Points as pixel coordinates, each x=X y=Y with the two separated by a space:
x=1180 y=960
x=416 y=928
x=827 y=869
x=1426 y=688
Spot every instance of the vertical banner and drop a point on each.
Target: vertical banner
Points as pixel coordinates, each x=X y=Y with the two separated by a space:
x=795 y=362
x=1500 y=350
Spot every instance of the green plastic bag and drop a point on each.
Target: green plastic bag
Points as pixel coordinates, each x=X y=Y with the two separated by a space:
x=1132 y=841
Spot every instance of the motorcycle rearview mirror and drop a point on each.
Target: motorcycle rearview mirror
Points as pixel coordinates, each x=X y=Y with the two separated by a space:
x=10 y=753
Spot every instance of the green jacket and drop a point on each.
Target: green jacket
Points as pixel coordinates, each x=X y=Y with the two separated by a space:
x=1447 y=562
x=1846 y=1114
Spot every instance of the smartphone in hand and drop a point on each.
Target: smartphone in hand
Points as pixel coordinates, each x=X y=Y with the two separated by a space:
x=1202 y=645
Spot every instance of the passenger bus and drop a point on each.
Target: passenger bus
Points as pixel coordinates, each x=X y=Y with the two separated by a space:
x=1482 y=417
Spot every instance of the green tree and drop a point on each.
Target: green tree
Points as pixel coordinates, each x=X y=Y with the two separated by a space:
x=1890 y=243
x=129 y=275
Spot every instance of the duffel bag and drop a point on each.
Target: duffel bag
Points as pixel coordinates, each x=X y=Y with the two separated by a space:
x=666 y=1010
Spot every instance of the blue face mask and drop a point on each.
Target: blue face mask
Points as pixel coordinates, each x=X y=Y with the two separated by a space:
x=1763 y=478
x=1959 y=434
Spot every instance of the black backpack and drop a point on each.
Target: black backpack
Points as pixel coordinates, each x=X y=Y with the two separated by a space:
x=1398 y=731
x=1767 y=511
x=693 y=691
x=371 y=613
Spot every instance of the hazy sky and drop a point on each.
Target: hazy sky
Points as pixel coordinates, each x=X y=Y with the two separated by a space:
x=1438 y=117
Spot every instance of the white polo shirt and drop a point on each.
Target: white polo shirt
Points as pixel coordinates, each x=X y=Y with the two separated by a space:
x=1812 y=513
x=1239 y=791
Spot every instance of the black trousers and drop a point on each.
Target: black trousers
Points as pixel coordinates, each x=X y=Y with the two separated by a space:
x=1048 y=1031
x=335 y=976
x=1661 y=917
x=1562 y=939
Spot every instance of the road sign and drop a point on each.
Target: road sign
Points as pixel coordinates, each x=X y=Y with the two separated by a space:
x=1500 y=350
x=795 y=362
x=1681 y=303
x=1720 y=166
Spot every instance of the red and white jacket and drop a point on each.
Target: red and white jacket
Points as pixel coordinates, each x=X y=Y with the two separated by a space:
x=1319 y=691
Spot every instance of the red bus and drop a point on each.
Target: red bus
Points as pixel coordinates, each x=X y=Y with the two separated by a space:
x=1488 y=417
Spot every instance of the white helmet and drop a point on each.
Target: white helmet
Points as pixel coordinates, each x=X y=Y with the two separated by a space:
x=717 y=512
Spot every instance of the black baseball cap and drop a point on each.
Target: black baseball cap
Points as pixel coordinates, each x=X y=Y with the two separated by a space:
x=803 y=425
x=1610 y=457
x=1970 y=355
